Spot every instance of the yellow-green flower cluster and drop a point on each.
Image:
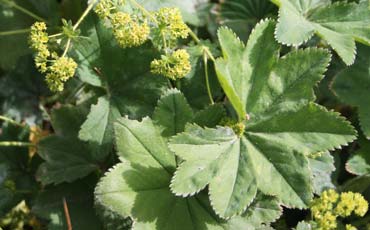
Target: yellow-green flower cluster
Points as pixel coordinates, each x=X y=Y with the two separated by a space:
x=38 y=42
x=331 y=205
x=237 y=127
x=59 y=72
x=173 y=66
x=171 y=26
x=60 y=69
x=128 y=30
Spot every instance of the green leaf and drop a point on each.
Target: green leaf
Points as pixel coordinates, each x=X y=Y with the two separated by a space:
x=242 y=15
x=98 y=128
x=322 y=167
x=340 y=24
x=66 y=160
x=213 y=156
x=239 y=66
x=359 y=163
x=352 y=87
x=141 y=143
x=284 y=126
x=172 y=112
x=256 y=80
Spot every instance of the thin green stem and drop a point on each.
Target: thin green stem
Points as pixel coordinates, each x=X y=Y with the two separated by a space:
x=205 y=49
x=13 y=32
x=16 y=144
x=205 y=60
x=7 y=119
x=194 y=36
x=84 y=14
x=68 y=45
x=55 y=35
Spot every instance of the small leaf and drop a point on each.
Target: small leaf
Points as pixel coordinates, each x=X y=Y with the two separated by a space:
x=340 y=24
x=352 y=87
x=359 y=163
x=172 y=112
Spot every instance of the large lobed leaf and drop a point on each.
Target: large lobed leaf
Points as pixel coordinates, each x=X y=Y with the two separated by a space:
x=285 y=127
x=340 y=24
